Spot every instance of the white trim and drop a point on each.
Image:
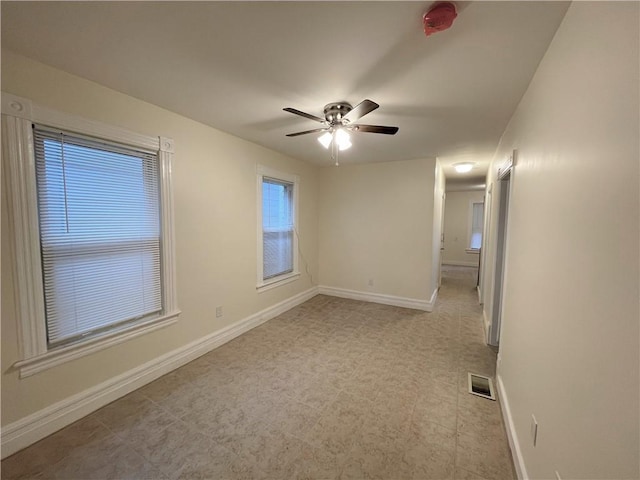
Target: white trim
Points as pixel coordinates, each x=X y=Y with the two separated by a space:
x=19 y=169
x=169 y=290
x=500 y=269
x=91 y=128
x=15 y=106
x=486 y=238
x=507 y=243
x=460 y=264
x=512 y=436
x=507 y=165
x=52 y=358
x=166 y=144
x=472 y=251
x=379 y=298
x=479 y=294
x=28 y=430
x=265 y=171
x=486 y=326
x=434 y=298
x=277 y=281
x=18 y=116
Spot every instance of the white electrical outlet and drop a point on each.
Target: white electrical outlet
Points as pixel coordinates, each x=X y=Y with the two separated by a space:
x=534 y=430
x=218 y=312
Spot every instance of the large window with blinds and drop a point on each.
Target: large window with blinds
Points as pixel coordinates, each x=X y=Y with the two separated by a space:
x=91 y=223
x=277 y=239
x=99 y=217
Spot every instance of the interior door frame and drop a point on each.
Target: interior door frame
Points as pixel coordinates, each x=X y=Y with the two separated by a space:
x=444 y=199
x=505 y=182
x=486 y=238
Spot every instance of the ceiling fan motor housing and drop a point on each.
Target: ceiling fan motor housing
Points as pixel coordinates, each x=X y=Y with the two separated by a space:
x=334 y=112
x=439 y=18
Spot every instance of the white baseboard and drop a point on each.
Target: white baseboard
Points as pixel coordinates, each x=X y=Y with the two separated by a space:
x=460 y=264
x=514 y=444
x=434 y=298
x=30 y=429
x=426 y=305
x=485 y=326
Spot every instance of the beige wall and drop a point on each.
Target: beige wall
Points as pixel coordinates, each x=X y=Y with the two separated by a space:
x=569 y=348
x=376 y=223
x=456 y=227
x=214 y=178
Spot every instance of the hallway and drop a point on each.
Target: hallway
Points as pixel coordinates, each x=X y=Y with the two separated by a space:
x=333 y=388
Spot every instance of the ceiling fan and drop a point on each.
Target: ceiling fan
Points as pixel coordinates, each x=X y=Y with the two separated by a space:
x=340 y=118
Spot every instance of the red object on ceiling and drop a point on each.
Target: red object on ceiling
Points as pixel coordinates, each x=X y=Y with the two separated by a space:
x=439 y=18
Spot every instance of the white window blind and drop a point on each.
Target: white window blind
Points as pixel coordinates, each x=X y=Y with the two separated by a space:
x=99 y=215
x=476 y=225
x=277 y=227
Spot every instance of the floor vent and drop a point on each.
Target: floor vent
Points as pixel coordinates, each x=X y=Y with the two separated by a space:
x=481 y=386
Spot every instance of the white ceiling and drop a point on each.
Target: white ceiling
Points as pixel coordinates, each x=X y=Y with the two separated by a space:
x=235 y=65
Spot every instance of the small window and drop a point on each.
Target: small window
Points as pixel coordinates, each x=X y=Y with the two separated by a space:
x=278 y=239
x=99 y=218
x=477 y=215
x=277 y=227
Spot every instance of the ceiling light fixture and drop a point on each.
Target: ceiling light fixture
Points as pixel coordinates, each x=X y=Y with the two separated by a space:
x=339 y=136
x=463 y=167
x=342 y=139
x=325 y=139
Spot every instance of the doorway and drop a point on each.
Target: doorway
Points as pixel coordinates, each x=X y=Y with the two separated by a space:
x=444 y=198
x=504 y=187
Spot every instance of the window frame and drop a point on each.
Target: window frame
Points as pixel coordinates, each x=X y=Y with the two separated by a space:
x=469 y=249
x=262 y=284
x=18 y=117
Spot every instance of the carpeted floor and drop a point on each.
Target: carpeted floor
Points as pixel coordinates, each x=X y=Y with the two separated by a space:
x=333 y=388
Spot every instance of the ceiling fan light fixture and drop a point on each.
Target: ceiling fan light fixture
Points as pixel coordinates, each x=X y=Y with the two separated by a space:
x=339 y=117
x=325 y=139
x=342 y=139
x=344 y=145
x=463 y=167
x=339 y=136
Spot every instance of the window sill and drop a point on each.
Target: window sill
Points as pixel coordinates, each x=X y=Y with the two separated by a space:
x=473 y=250
x=277 y=281
x=61 y=355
